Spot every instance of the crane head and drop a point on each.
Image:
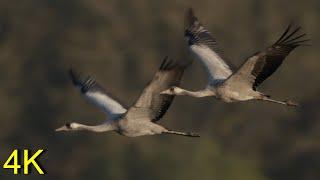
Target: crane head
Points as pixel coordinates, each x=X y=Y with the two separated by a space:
x=67 y=127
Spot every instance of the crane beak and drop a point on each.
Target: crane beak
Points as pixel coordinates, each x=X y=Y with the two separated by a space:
x=167 y=92
x=63 y=128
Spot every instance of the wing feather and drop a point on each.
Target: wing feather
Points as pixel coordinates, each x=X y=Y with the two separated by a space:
x=152 y=105
x=97 y=95
x=206 y=49
x=261 y=65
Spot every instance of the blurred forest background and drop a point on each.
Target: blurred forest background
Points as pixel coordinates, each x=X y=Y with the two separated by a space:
x=121 y=43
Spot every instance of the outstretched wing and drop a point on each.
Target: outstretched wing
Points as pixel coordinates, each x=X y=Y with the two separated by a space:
x=97 y=95
x=261 y=65
x=151 y=105
x=205 y=48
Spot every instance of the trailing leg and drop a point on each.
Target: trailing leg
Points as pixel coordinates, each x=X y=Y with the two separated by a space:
x=287 y=103
x=189 y=134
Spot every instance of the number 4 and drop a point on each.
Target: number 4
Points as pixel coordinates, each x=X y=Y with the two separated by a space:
x=27 y=161
x=15 y=166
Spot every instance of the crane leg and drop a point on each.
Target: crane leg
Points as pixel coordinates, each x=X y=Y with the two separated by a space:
x=287 y=103
x=189 y=134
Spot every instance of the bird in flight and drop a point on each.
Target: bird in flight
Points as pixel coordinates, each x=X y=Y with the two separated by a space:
x=141 y=118
x=241 y=84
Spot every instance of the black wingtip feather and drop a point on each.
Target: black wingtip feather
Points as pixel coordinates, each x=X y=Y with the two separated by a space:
x=169 y=64
x=84 y=83
x=190 y=19
x=275 y=54
x=290 y=38
x=300 y=43
x=284 y=33
x=75 y=77
x=166 y=64
x=291 y=34
x=297 y=37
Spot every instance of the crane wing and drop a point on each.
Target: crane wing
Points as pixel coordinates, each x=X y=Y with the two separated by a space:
x=97 y=95
x=206 y=49
x=261 y=65
x=151 y=105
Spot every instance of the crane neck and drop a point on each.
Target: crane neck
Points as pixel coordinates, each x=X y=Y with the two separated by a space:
x=197 y=94
x=98 y=128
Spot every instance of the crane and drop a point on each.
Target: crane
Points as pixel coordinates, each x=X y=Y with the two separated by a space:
x=139 y=119
x=240 y=85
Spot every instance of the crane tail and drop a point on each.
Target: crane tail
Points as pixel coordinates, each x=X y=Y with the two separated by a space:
x=188 y=134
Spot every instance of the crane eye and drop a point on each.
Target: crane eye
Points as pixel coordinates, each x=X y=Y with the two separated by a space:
x=68 y=125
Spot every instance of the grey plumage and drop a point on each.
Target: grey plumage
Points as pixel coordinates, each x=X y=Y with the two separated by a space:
x=97 y=95
x=240 y=85
x=151 y=101
x=85 y=84
x=140 y=118
x=263 y=64
x=197 y=34
x=270 y=60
